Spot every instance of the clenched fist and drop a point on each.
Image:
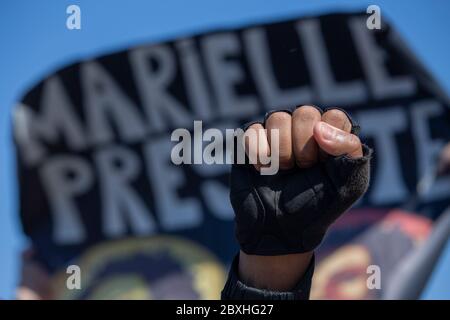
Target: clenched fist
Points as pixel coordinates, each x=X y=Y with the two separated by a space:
x=324 y=170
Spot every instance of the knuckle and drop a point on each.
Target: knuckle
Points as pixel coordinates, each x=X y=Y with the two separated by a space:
x=279 y=117
x=336 y=117
x=286 y=163
x=254 y=127
x=307 y=113
x=285 y=156
x=306 y=161
x=354 y=140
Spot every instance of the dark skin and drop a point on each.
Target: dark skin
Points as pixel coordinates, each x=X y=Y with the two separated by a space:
x=306 y=137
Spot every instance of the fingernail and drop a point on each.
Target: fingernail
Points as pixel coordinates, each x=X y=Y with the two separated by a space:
x=331 y=133
x=328 y=133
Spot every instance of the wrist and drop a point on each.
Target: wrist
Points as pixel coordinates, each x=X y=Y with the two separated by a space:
x=276 y=273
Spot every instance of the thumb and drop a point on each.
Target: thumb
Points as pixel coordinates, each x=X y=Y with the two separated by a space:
x=337 y=142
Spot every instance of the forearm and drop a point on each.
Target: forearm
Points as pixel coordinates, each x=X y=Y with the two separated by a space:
x=276 y=273
x=285 y=277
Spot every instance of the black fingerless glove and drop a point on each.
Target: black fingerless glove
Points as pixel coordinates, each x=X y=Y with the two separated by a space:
x=290 y=212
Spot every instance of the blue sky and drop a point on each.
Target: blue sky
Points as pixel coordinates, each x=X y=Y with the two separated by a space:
x=34 y=40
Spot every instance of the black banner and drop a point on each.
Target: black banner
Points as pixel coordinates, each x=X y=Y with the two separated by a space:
x=93 y=139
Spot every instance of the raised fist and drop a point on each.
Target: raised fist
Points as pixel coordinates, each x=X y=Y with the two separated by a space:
x=324 y=169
